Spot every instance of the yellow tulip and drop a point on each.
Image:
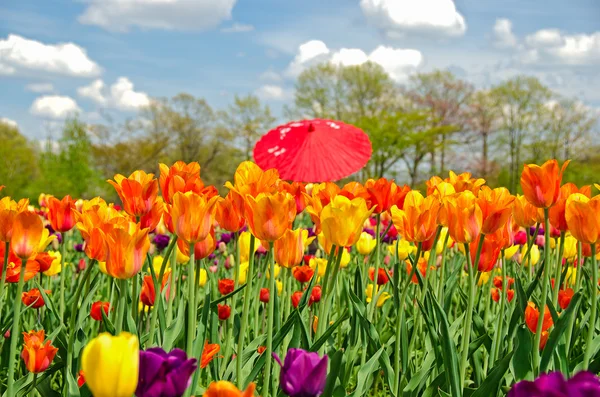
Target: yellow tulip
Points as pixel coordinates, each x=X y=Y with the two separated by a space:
x=204 y=277
x=277 y=270
x=244 y=243
x=157 y=263
x=56 y=265
x=342 y=220
x=345 y=258
x=571 y=276
x=181 y=258
x=279 y=287
x=440 y=243
x=534 y=255
x=404 y=249
x=382 y=297
x=46 y=240
x=570 y=250
x=485 y=276
x=243 y=271
x=110 y=364
x=511 y=251
x=319 y=265
x=366 y=243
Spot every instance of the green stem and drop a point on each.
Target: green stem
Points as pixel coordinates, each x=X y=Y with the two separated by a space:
x=3 y=281
x=191 y=326
x=469 y=315
x=442 y=272
x=172 y=279
x=503 y=299
x=373 y=306
x=63 y=276
x=592 y=324
x=122 y=304
x=230 y=321
x=246 y=308
x=400 y=319
x=15 y=333
x=545 y=282
x=558 y=271
x=577 y=287
x=157 y=300
x=269 y=359
x=324 y=291
x=330 y=296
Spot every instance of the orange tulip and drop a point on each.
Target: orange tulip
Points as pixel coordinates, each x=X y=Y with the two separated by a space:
x=138 y=192
x=557 y=211
x=95 y=220
x=303 y=273
x=421 y=266
x=8 y=212
x=61 y=213
x=418 y=221
x=202 y=249
x=152 y=218
x=496 y=292
x=209 y=352
x=148 y=292
x=13 y=271
x=564 y=297
x=126 y=250
x=250 y=179
x=36 y=354
x=463 y=182
x=223 y=388
x=383 y=194
x=541 y=184
x=583 y=217
x=532 y=315
x=230 y=212
x=353 y=190
x=465 y=219
x=298 y=190
x=180 y=177
x=26 y=234
x=496 y=208
x=525 y=214
x=33 y=298
x=319 y=197
x=193 y=215
x=270 y=215
x=289 y=249
x=490 y=251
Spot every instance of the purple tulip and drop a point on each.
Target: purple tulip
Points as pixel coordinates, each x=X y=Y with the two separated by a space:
x=369 y=231
x=226 y=237
x=303 y=374
x=553 y=384
x=164 y=374
x=161 y=241
x=78 y=247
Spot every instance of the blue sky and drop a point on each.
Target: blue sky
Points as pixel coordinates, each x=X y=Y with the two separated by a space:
x=110 y=56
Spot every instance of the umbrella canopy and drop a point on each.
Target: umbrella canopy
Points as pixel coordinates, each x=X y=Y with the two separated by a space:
x=313 y=150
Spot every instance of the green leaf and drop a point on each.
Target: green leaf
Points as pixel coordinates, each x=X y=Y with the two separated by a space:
x=174 y=330
x=448 y=351
x=417 y=381
x=365 y=373
x=108 y=325
x=521 y=363
x=334 y=370
x=559 y=328
x=491 y=384
x=328 y=332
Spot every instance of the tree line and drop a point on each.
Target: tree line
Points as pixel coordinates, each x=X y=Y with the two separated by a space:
x=434 y=123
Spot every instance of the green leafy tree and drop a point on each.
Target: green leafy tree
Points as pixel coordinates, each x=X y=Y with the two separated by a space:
x=17 y=163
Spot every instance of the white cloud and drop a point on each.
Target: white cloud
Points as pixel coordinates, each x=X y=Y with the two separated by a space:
x=121 y=94
x=18 y=53
x=503 y=35
x=40 y=87
x=10 y=122
x=397 y=17
x=238 y=28
x=270 y=75
x=551 y=45
x=273 y=92
x=93 y=91
x=399 y=63
x=120 y=15
x=311 y=52
x=54 y=106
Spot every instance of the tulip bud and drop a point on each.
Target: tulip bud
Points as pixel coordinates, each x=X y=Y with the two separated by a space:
x=224 y=312
x=264 y=295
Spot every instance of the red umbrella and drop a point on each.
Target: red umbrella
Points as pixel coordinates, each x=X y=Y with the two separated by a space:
x=313 y=150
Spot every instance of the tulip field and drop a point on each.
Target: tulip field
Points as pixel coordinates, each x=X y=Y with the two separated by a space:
x=264 y=287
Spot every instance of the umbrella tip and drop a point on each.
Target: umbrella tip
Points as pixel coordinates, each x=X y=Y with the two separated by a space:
x=311 y=127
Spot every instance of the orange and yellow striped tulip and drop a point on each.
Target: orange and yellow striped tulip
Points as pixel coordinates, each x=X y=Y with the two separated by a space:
x=37 y=353
x=270 y=215
x=583 y=217
x=558 y=211
x=8 y=211
x=250 y=179
x=224 y=388
x=496 y=208
x=193 y=215
x=138 y=192
x=180 y=177
x=26 y=234
x=126 y=250
x=418 y=221
x=289 y=249
x=61 y=213
x=230 y=212
x=202 y=249
x=541 y=184
x=342 y=220
x=465 y=218
x=526 y=214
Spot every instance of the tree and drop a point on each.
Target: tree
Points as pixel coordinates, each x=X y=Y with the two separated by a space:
x=482 y=118
x=247 y=119
x=17 y=163
x=520 y=102
x=445 y=97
